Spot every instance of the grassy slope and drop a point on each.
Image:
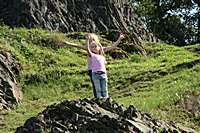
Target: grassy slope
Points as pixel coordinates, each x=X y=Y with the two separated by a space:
x=51 y=74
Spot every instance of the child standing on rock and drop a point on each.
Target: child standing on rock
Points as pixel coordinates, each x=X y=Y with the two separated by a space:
x=96 y=62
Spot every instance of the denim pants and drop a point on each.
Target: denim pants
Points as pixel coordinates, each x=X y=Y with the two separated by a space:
x=100 y=84
x=93 y=87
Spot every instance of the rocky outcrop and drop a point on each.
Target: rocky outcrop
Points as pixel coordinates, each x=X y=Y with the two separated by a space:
x=96 y=116
x=75 y=15
x=10 y=93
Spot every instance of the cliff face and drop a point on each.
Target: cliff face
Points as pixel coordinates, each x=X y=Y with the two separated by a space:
x=74 y=15
x=68 y=15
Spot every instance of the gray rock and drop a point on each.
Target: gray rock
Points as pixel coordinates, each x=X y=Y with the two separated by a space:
x=96 y=116
x=10 y=93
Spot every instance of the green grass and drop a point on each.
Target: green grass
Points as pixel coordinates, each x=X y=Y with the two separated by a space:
x=51 y=74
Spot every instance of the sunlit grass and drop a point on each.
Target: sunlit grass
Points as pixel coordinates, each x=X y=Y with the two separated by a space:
x=51 y=74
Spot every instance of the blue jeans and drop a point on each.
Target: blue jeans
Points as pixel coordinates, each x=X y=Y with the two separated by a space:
x=100 y=84
x=93 y=87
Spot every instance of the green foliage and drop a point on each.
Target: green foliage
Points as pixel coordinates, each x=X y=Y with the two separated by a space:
x=51 y=74
x=173 y=21
x=144 y=7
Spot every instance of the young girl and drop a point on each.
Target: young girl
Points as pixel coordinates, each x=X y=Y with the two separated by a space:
x=94 y=45
x=97 y=60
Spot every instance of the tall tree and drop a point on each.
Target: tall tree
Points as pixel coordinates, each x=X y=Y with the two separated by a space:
x=198 y=16
x=171 y=20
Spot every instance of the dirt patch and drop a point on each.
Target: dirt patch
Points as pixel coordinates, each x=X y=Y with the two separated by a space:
x=190 y=103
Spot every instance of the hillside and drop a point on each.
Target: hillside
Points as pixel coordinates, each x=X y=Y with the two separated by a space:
x=75 y=16
x=158 y=84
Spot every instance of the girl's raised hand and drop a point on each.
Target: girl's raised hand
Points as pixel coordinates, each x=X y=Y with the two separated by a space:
x=121 y=36
x=87 y=36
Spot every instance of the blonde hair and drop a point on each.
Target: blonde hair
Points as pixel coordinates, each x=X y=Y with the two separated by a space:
x=96 y=39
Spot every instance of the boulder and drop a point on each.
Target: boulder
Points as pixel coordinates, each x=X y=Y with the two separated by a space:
x=98 y=116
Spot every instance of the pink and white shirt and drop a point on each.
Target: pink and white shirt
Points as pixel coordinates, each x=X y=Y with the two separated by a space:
x=96 y=63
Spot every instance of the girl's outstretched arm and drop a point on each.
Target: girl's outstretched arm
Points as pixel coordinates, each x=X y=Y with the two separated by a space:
x=88 y=45
x=69 y=44
x=114 y=45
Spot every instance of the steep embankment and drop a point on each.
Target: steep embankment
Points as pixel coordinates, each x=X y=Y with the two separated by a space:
x=155 y=84
x=75 y=16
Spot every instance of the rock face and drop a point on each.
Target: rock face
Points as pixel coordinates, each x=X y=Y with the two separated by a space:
x=10 y=93
x=75 y=15
x=98 y=116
